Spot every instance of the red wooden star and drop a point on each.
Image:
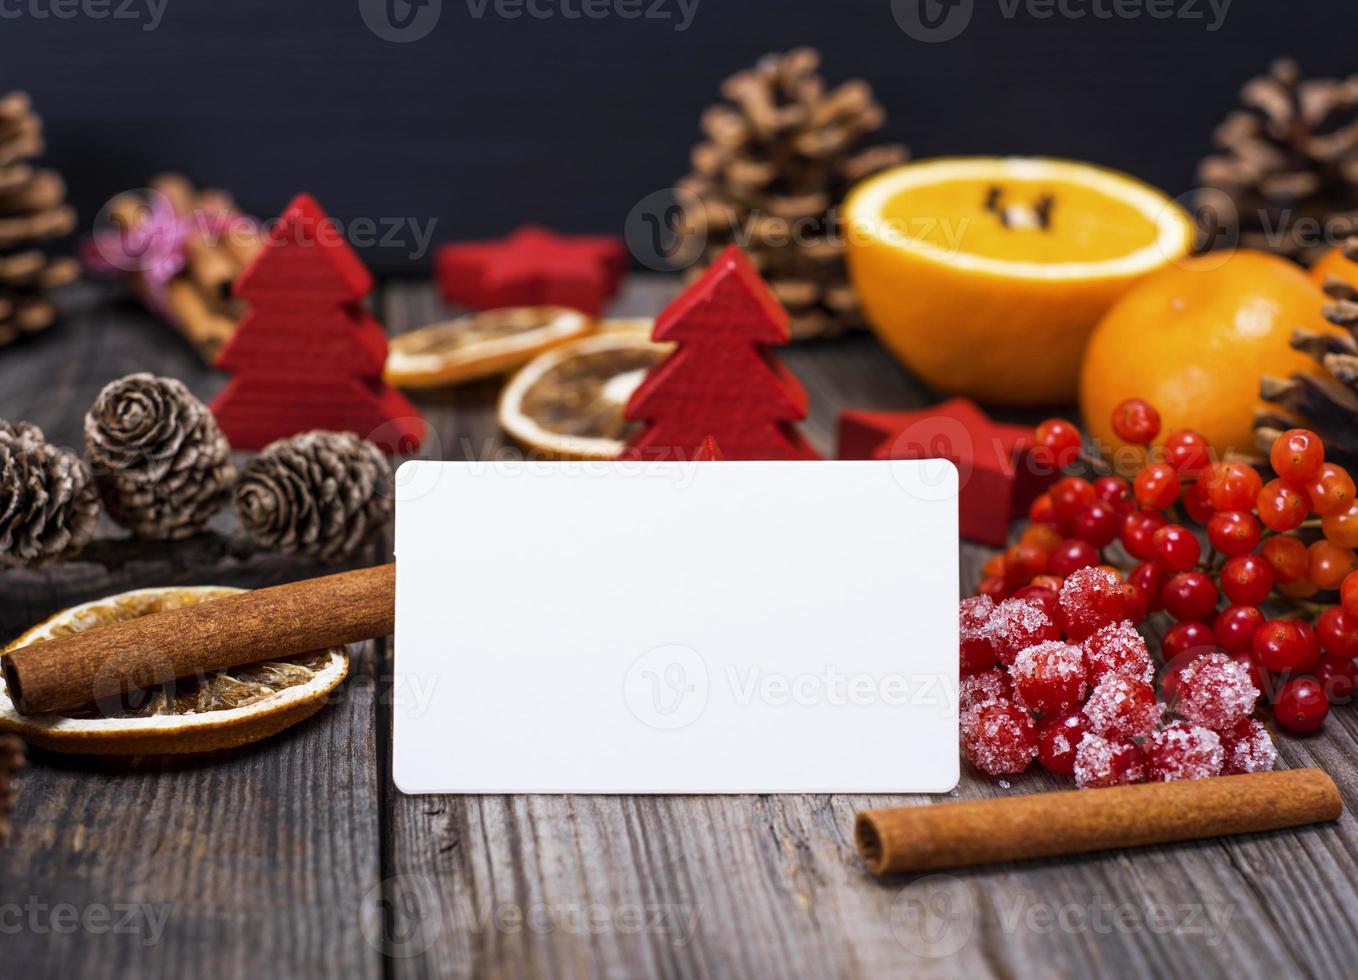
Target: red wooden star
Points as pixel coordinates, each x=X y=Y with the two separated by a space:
x=997 y=476
x=532 y=267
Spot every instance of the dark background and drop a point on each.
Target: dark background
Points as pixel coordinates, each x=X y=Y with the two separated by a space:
x=488 y=122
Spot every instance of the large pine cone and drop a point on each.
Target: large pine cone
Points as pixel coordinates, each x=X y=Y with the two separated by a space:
x=161 y=464
x=1288 y=162
x=48 y=504
x=319 y=493
x=11 y=761
x=33 y=211
x=776 y=163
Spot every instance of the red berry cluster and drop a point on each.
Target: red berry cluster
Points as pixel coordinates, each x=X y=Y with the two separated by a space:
x=1065 y=678
x=1257 y=552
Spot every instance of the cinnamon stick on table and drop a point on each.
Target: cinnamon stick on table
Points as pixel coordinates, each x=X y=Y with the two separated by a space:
x=248 y=627
x=957 y=835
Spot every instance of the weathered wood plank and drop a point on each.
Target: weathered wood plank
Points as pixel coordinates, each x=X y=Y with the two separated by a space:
x=254 y=862
x=771 y=886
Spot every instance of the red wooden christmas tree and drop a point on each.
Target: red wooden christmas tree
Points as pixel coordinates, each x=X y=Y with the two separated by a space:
x=721 y=381
x=307 y=355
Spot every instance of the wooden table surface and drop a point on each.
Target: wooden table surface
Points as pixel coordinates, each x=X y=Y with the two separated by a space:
x=297 y=857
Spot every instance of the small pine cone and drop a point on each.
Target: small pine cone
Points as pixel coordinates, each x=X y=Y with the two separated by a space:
x=319 y=493
x=161 y=464
x=48 y=504
x=11 y=761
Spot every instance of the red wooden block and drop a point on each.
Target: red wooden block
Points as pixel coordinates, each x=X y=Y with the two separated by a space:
x=997 y=476
x=721 y=382
x=307 y=355
x=532 y=267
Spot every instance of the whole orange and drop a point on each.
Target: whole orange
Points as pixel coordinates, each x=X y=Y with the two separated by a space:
x=1194 y=339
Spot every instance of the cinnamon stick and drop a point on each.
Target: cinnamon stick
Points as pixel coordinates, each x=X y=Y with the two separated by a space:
x=957 y=835
x=248 y=627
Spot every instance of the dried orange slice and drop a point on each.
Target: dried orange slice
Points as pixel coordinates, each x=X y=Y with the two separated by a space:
x=568 y=403
x=480 y=345
x=218 y=711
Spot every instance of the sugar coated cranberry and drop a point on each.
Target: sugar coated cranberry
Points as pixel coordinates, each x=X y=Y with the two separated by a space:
x=1190 y=595
x=1047 y=598
x=1049 y=676
x=1135 y=420
x=1057 y=737
x=985 y=685
x=1246 y=579
x=1102 y=762
x=1297 y=455
x=1091 y=597
x=1248 y=747
x=1176 y=547
x=1260 y=678
x=1121 y=708
x=1215 y=691
x=1118 y=648
x=999 y=737
x=1235 y=627
x=1070 y=555
x=1016 y=624
x=1281 y=646
x=1337 y=676
x=977 y=653
x=1301 y=705
x=1189 y=636
x=1183 y=751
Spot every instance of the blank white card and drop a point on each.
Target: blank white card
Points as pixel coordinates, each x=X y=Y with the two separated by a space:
x=717 y=627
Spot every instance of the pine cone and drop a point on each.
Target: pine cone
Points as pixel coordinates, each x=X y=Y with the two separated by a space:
x=1327 y=402
x=1289 y=156
x=33 y=210
x=161 y=464
x=11 y=761
x=778 y=159
x=319 y=493
x=48 y=504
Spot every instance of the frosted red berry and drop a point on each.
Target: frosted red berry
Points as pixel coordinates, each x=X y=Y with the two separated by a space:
x=999 y=737
x=1235 y=627
x=1247 y=747
x=1233 y=532
x=1070 y=555
x=1297 y=455
x=1215 y=691
x=1135 y=420
x=1121 y=708
x=1044 y=597
x=1182 y=750
x=976 y=651
x=1058 y=735
x=1091 y=597
x=1186 y=451
x=1156 y=486
x=1056 y=444
x=1190 y=595
x=1301 y=705
x=1018 y=623
x=986 y=685
x=1049 y=676
x=1247 y=580
x=1119 y=649
x=1101 y=762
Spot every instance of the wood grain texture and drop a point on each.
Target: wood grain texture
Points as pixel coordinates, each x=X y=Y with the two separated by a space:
x=297 y=857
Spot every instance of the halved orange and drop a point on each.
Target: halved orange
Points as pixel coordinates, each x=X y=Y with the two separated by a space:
x=480 y=345
x=568 y=403
x=221 y=710
x=986 y=275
